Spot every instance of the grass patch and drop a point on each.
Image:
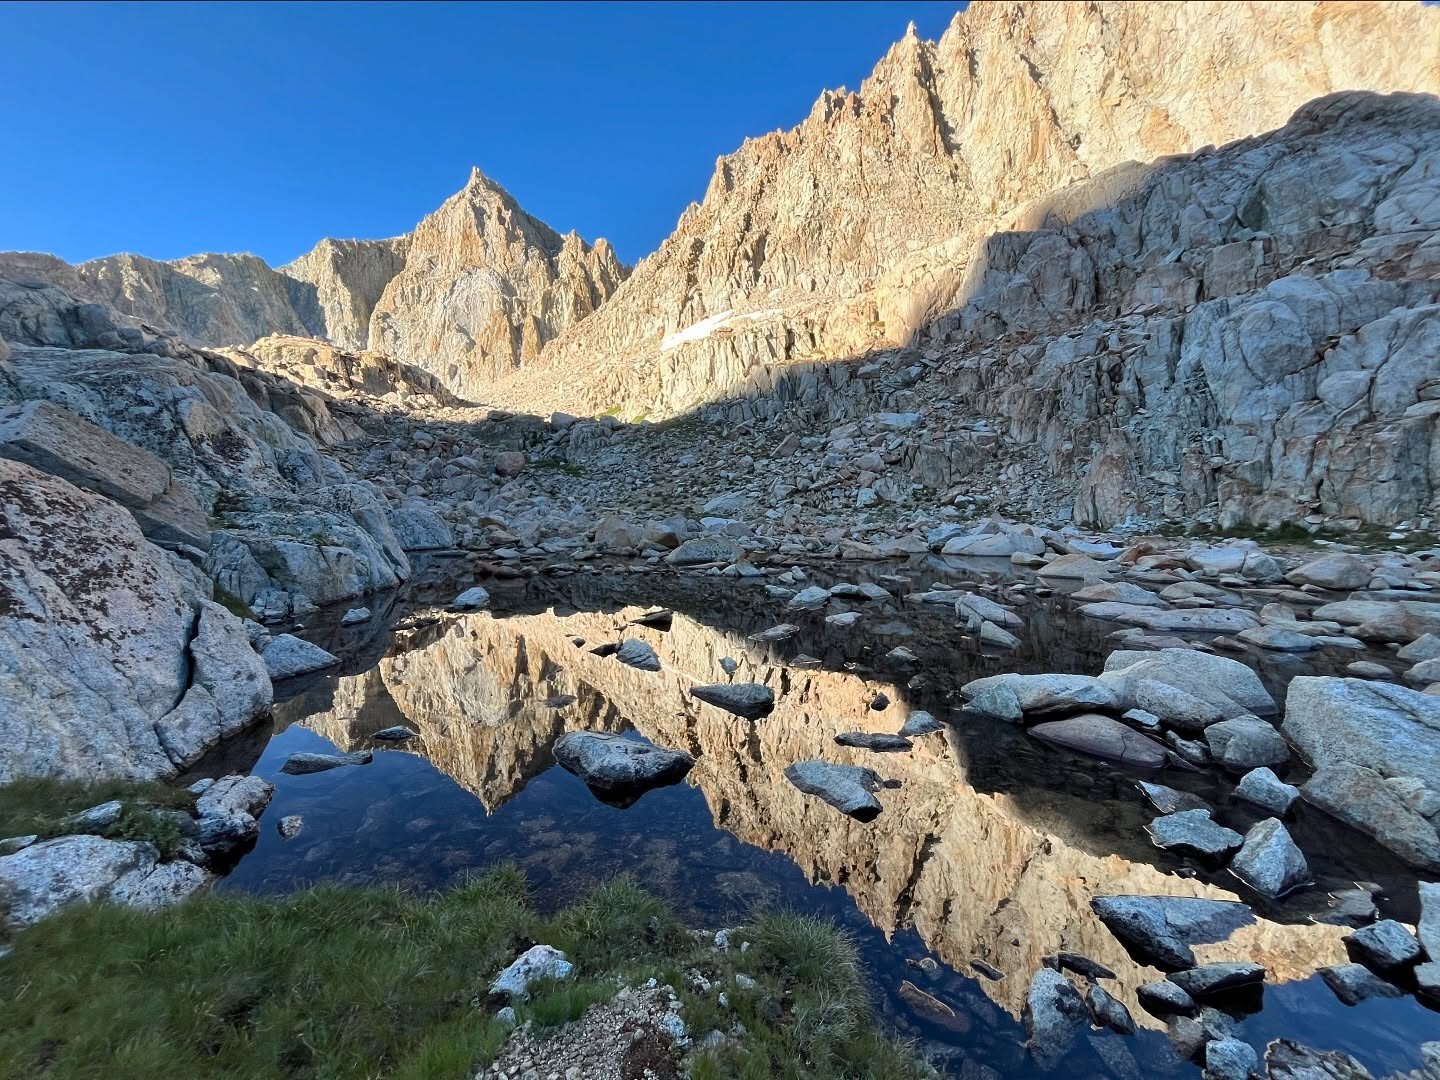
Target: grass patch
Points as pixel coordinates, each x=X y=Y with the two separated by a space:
x=232 y=603
x=334 y=983
x=44 y=807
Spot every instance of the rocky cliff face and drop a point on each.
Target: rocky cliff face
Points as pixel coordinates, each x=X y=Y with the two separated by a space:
x=485 y=285
x=851 y=231
x=471 y=295
x=349 y=277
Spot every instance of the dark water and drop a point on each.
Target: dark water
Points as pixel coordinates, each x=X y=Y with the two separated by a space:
x=988 y=848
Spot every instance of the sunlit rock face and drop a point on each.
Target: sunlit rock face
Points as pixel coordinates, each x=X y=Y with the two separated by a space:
x=1004 y=876
x=851 y=231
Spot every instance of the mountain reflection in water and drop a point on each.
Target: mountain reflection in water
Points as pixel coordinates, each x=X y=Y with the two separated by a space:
x=989 y=849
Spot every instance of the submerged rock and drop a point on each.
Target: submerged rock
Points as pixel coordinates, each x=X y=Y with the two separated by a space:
x=1042 y=693
x=1244 y=744
x=848 y=788
x=1209 y=620
x=613 y=764
x=1054 y=1016
x=1210 y=980
x=873 y=740
x=1230 y=1059
x=303 y=763
x=1163 y=998
x=1102 y=737
x=750 y=700
x=1108 y=1011
x=1161 y=929
x=1354 y=983
x=1263 y=788
x=1170 y=800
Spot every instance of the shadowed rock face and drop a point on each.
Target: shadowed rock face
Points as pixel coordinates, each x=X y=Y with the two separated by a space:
x=1004 y=876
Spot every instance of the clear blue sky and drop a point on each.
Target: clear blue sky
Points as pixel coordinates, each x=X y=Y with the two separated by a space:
x=169 y=129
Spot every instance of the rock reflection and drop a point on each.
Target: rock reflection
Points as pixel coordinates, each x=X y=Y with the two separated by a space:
x=988 y=848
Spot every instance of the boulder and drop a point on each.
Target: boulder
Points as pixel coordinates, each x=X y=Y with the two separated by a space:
x=638 y=654
x=288 y=656
x=1169 y=800
x=750 y=700
x=1055 y=1015
x=848 y=788
x=1232 y=686
x=1193 y=832
x=1159 y=930
x=1230 y=1059
x=1278 y=639
x=1103 y=737
x=111 y=656
x=53 y=874
x=699 y=550
x=1210 y=980
x=1286 y=1059
x=1119 y=592
x=1335 y=571
x=920 y=723
x=615 y=765
x=1428 y=928
x=1385 y=947
x=1354 y=983
x=614 y=535
x=1263 y=788
x=993 y=545
x=1376 y=750
x=1383 y=620
x=1043 y=693
x=539 y=963
x=510 y=463
x=1164 y=998
x=1425 y=647
x=873 y=740
x=474 y=598
x=1079 y=567
x=1269 y=862
x=1243 y=744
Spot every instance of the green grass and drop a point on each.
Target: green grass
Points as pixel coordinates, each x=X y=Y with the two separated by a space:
x=43 y=807
x=232 y=603
x=334 y=983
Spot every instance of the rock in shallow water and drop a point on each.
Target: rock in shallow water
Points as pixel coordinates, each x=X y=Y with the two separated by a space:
x=1263 y=788
x=304 y=763
x=1210 y=980
x=1193 y=832
x=750 y=700
x=1161 y=929
x=873 y=740
x=1269 y=862
x=1354 y=983
x=1054 y=1016
x=1385 y=946
x=920 y=723
x=1230 y=1059
x=1170 y=800
x=1042 y=693
x=1163 y=998
x=613 y=764
x=637 y=654
x=1243 y=744
x=1102 y=737
x=848 y=788
x=288 y=656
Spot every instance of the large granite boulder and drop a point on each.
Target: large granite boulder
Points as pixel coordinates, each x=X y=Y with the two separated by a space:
x=1376 y=751
x=617 y=766
x=113 y=662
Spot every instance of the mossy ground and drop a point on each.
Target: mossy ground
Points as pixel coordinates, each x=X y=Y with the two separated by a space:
x=333 y=983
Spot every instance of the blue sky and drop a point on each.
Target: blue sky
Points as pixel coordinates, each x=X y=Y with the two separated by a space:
x=169 y=129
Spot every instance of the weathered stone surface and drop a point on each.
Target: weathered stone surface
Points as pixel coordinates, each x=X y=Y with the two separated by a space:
x=750 y=700
x=1208 y=980
x=1194 y=832
x=1120 y=592
x=1168 y=800
x=45 y=877
x=1102 y=737
x=1161 y=929
x=1385 y=946
x=1044 y=693
x=1428 y=928
x=1164 y=998
x=612 y=763
x=1230 y=1059
x=1371 y=742
x=1354 y=983
x=419 y=529
x=848 y=788
x=1055 y=1015
x=1232 y=686
x=304 y=763
x=475 y=598
x=1269 y=862
x=1333 y=571
x=97 y=628
x=1263 y=788
x=1286 y=1059
x=638 y=654
x=287 y=656
x=1242 y=744
x=1215 y=620
x=699 y=550
x=873 y=740
x=539 y=963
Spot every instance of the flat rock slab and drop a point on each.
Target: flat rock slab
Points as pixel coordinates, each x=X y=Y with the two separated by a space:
x=613 y=764
x=1170 y=800
x=1193 y=832
x=1209 y=980
x=59 y=442
x=1161 y=929
x=848 y=788
x=750 y=700
x=1207 y=620
x=302 y=764
x=1102 y=737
